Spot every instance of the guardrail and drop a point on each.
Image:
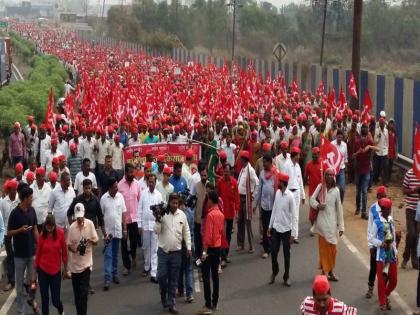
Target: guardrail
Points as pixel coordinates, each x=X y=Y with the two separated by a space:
x=404 y=162
x=16 y=73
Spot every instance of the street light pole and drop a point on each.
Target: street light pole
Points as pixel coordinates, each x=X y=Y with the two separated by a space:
x=233 y=33
x=355 y=59
x=323 y=33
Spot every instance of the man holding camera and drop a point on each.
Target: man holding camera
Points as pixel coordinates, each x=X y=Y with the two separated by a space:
x=171 y=228
x=146 y=223
x=113 y=209
x=81 y=238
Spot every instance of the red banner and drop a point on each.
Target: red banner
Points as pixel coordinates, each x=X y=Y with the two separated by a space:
x=173 y=152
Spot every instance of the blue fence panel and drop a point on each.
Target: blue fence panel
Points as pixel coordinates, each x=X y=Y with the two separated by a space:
x=398 y=109
x=380 y=94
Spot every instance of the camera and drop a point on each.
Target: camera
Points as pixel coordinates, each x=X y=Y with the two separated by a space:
x=81 y=247
x=159 y=210
x=189 y=200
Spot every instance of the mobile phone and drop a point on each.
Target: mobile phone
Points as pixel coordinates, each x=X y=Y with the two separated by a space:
x=29 y=227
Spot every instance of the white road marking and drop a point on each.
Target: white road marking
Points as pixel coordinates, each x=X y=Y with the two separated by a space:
x=8 y=304
x=397 y=298
x=196 y=281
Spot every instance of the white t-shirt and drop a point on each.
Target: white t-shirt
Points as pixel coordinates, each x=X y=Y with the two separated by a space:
x=78 y=182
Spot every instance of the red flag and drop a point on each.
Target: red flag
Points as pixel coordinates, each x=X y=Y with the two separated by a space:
x=416 y=155
x=321 y=89
x=49 y=116
x=352 y=87
x=367 y=106
x=342 y=100
x=330 y=156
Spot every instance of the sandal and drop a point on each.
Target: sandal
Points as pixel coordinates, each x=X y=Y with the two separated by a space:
x=35 y=307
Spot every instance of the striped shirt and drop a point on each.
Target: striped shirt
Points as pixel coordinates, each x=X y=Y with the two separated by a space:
x=336 y=308
x=411 y=182
x=75 y=165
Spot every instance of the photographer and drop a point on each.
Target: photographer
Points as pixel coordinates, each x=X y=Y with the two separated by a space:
x=171 y=229
x=113 y=208
x=80 y=239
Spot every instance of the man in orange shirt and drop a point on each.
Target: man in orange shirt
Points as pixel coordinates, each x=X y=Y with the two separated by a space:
x=212 y=243
x=313 y=177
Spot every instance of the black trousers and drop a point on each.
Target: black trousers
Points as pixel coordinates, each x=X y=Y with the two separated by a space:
x=80 y=282
x=133 y=235
x=277 y=239
x=211 y=265
x=10 y=260
x=380 y=167
x=418 y=286
x=198 y=242
x=410 y=250
x=244 y=224
x=51 y=283
x=228 y=229
x=372 y=270
x=265 y=216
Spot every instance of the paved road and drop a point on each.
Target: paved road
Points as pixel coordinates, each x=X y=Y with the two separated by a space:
x=244 y=285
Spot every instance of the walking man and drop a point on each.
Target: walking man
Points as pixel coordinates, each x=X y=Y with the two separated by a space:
x=283 y=227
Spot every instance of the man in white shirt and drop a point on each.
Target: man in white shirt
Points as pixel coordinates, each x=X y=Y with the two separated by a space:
x=295 y=184
x=229 y=149
x=85 y=173
x=117 y=153
x=165 y=187
x=247 y=186
x=380 y=165
x=113 y=208
x=283 y=158
x=42 y=144
x=40 y=196
x=7 y=204
x=341 y=176
x=49 y=155
x=283 y=227
x=60 y=200
x=102 y=149
x=62 y=145
x=171 y=229
x=146 y=223
x=88 y=149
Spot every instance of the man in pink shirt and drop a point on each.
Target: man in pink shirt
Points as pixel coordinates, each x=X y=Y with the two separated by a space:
x=17 y=145
x=129 y=188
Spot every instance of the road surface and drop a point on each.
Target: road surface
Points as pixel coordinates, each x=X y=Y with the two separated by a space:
x=244 y=284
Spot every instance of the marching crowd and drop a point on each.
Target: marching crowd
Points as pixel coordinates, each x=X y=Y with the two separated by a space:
x=71 y=180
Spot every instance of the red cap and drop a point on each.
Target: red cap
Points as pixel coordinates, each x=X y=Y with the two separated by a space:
x=385 y=203
x=355 y=118
x=315 y=150
x=167 y=170
x=189 y=154
x=264 y=123
x=147 y=165
x=381 y=120
x=161 y=158
x=55 y=160
x=283 y=177
x=19 y=167
x=244 y=154
x=12 y=184
x=30 y=176
x=73 y=147
x=295 y=150
x=222 y=155
x=381 y=190
x=266 y=147
x=62 y=158
x=52 y=176
x=65 y=128
x=76 y=133
x=284 y=144
x=40 y=171
x=116 y=138
x=321 y=285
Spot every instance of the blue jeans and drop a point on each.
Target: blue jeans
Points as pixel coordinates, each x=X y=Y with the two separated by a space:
x=167 y=275
x=341 y=183
x=361 y=190
x=22 y=264
x=111 y=260
x=186 y=273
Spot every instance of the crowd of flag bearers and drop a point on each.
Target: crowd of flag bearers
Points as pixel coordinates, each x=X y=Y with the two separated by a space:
x=260 y=142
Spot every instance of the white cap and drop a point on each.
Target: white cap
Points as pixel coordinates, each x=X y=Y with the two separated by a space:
x=79 y=210
x=382 y=113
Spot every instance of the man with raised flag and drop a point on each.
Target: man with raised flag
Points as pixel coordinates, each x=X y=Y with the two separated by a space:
x=322 y=303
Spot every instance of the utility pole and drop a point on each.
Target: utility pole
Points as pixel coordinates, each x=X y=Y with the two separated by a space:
x=323 y=33
x=355 y=60
x=233 y=34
